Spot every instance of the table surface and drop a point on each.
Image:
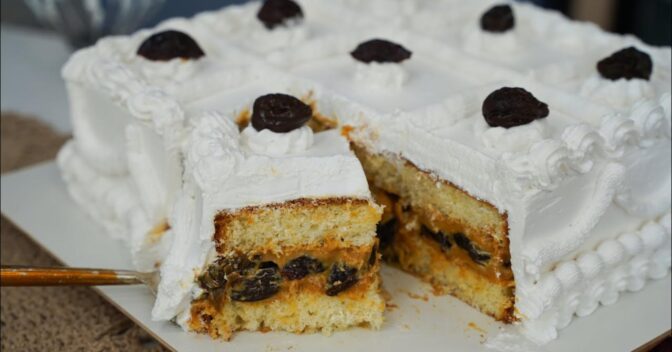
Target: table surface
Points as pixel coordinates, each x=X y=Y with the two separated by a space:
x=31 y=75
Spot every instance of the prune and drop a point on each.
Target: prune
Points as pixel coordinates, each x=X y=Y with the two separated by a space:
x=380 y=50
x=168 y=45
x=279 y=113
x=269 y=264
x=302 y=266
x=373 y=257
x=239 y=265
x=627 y=63
x=509 y=107
x=441 y=238
x=264 y=284
x=498 y=19
x=213 y=278
x=476 y=254
x=217 y=274
x=385 y=232
x=275 y=13
x=341 y=277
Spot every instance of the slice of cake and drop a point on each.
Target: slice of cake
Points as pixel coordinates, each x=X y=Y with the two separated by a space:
x=275 y=229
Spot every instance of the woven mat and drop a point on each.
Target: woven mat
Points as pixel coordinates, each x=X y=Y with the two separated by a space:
x=52 y=318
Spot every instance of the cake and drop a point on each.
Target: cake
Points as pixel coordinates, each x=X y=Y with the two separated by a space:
x=294 y=245
x=521 y=160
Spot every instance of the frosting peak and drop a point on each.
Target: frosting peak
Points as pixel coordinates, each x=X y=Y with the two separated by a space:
x=381 y=75
x=267 y=142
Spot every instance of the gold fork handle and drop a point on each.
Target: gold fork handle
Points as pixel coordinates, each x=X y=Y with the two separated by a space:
x=37 y=276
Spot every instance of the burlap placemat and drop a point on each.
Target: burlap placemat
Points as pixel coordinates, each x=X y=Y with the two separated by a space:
x=52 y=318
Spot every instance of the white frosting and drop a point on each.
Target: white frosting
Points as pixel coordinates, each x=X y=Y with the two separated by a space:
x=586 y=190
x=114 y=203
x=478 y=41
x=515 y=140
x=578 y=287
x=380 y=75
x=620 y=94
x=267 y=142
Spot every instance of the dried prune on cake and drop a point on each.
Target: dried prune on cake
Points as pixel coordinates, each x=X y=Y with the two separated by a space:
x=385 y=232
x=509 y=107
x=381 y=51
x=279 y=113
x=302 y=266
x=477 y=255
x=441 y=238
x=275 y=13
x=341 y=277
x=498 y=19
x=264 y=284
x=213 y=278
x=626 y=63
x=168 y=45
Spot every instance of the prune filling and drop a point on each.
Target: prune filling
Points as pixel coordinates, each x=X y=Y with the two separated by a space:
x=264 y=284
x=341 y=277
x=213 y=278
x=373 y=257
x=442 y=239
x=477 y=255
x=385 y=232
x=250 y=279
x=302 y=266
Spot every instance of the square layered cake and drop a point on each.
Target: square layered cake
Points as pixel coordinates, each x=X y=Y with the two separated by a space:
x=262 y=156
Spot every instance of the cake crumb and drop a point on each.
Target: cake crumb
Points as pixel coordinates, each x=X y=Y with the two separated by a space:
x=474 y=326
x=423 y=297
x=387 y=296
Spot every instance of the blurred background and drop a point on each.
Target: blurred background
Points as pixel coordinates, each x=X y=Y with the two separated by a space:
x=648 y=19
x=33 y=52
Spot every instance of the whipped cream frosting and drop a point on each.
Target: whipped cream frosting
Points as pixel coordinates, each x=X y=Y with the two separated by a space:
x=381 y=75
x=586 y=190
x=267 y=142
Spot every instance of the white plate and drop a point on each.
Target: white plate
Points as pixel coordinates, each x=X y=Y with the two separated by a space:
x=36 y=201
